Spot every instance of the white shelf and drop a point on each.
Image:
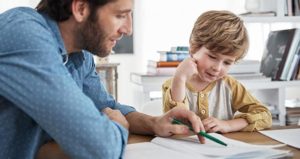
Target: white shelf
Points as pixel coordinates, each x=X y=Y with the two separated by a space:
x=269 y=85
x=276 y=19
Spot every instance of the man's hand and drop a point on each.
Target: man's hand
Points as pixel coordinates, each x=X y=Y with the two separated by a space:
x=163 y=125
x=116 y=116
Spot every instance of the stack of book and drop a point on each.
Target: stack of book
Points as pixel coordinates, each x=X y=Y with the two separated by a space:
x=292 y=112
x=168 y=61
x=281 y=56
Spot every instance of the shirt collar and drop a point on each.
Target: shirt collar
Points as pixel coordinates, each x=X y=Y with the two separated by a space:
x=55 y=30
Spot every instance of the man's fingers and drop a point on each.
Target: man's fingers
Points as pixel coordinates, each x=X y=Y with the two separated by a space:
x=201 y=139
x=192 y=118
x=107 y=110
x=180 y=129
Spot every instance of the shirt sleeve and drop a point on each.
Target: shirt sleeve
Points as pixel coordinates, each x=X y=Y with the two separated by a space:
x=35 y=80
x=168 y=102
x=94 y=88
x=256 y=114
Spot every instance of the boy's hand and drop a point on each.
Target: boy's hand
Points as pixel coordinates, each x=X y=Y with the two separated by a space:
x=186 y=69
x=116 y=116
x=212 y=124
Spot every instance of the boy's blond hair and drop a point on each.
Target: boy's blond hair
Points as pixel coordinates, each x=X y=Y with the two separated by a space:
x=220 y=32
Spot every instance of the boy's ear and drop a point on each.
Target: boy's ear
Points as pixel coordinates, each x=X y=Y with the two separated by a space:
x=80 y=10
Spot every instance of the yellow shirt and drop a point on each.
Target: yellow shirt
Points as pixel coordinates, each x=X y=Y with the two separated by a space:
x=224 y=99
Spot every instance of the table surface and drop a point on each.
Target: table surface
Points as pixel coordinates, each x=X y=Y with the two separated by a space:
x=248 y=137
x=52 y=150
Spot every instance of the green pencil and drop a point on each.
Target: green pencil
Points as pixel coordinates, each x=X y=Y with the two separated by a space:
x=202 y=133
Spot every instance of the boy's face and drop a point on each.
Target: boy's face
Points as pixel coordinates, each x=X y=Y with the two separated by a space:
x=212 y=66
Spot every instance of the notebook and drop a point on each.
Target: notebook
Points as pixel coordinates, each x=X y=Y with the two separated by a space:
x=189 y=148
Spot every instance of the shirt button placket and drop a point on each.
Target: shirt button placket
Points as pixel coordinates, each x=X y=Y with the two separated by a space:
x=202 y=95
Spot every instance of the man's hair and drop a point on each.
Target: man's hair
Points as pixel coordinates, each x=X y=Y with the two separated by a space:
x=220 y=32
x=60 y=10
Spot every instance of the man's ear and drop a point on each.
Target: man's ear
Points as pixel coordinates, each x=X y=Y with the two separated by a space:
x=80 y=10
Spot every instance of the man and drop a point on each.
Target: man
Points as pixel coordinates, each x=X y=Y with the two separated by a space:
x=49 y=89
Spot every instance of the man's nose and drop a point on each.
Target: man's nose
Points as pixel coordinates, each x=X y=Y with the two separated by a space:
x=127 y=26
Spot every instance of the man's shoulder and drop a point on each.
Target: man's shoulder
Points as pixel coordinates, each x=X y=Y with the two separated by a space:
x=20 y=13
x=20 y=17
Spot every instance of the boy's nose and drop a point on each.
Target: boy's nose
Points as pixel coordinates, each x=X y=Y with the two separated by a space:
x=217 y=67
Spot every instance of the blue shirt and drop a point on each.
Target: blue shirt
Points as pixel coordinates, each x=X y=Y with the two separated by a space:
x=43 y=98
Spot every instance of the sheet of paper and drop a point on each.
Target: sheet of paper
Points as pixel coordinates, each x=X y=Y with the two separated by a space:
x=210 y=148
x=287 y=136
x=148 y=150
x=190 y=148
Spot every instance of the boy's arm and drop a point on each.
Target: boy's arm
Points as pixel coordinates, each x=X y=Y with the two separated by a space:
x=178 y=88
x=168 y=102
x=184 y=72
x=253 y=111
x=212 y=124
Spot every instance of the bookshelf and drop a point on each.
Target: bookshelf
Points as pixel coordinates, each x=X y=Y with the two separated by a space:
x=280 y=15
x=272 y=93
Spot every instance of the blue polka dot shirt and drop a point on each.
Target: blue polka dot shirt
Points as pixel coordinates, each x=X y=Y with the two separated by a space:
x=47 y=95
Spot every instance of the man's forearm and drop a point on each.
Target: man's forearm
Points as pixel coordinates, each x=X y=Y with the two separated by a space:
x=140 y=123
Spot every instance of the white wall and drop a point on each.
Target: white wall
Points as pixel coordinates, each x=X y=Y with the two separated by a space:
x=8 y=4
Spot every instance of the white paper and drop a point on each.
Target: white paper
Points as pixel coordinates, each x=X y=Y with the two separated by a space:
x=190 y=147
x=287 y=136
x=148 y=150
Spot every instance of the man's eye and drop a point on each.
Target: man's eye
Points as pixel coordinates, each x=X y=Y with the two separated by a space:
x=121 y=16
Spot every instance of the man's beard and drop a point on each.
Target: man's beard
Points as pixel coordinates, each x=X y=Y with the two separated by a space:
x=91 y=37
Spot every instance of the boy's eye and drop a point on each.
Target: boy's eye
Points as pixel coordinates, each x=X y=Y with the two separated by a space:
x=213 y=57
x=228 y=63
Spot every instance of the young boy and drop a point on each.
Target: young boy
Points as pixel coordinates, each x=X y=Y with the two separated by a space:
x=201 y=84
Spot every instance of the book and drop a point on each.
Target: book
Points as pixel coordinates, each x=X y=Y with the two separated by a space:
x=180 y=48
x=161 y=70
x=152 y=63
x=296 y=7
x=286 y=64
x=276 y=52
x=172 y=56
x=190 y=148
x=291 y=73
x=292 y=103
